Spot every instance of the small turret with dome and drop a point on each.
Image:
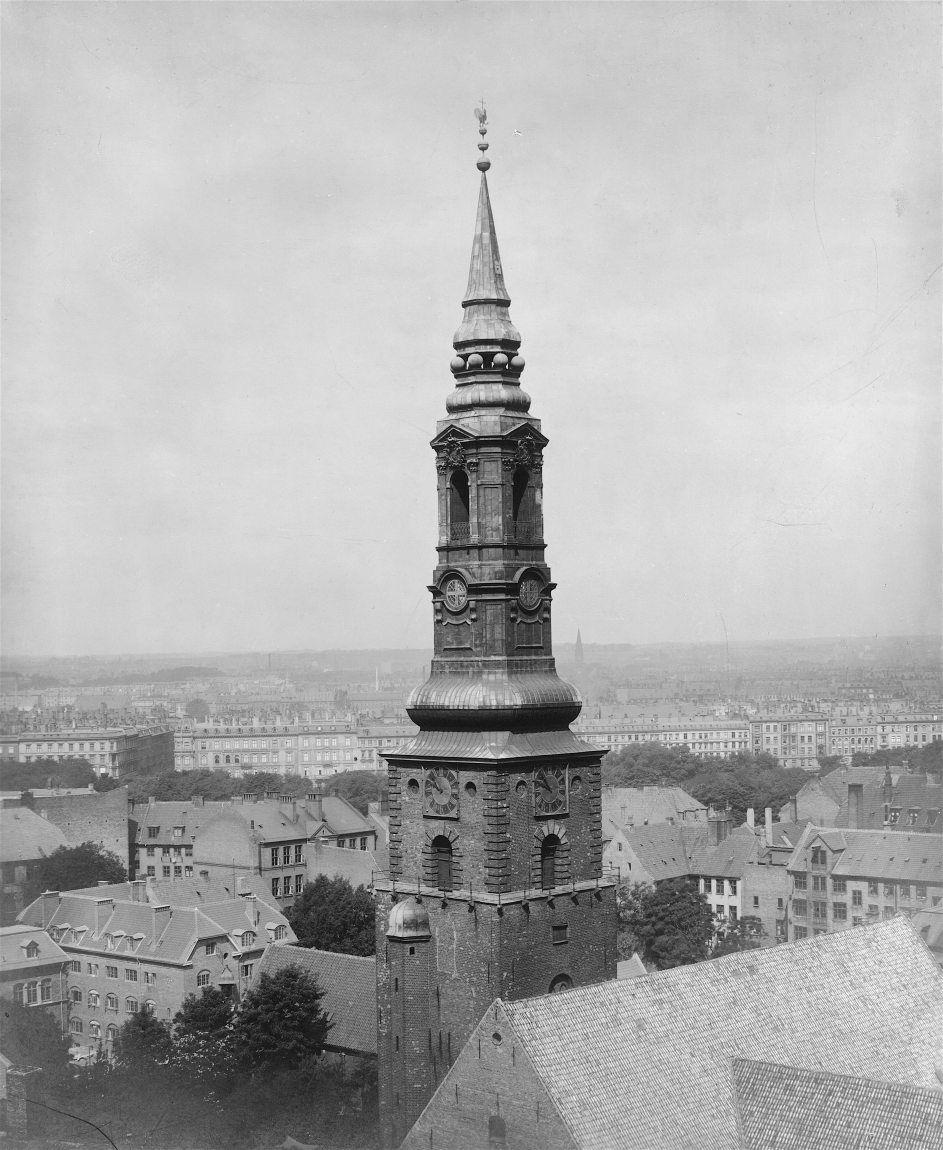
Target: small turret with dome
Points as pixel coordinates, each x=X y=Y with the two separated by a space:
x=408 y=919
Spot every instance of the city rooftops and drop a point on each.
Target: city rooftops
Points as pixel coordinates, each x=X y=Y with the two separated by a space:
x=878 y=854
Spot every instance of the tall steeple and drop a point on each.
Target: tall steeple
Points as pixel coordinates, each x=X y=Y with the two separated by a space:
x=495 y=804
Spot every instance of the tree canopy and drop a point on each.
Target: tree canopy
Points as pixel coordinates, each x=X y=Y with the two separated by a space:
x=740 y=781
x=40 y=773
x=280 y=1023
x=72 y=868
x=331 y=915
x=31 y=1036
x=668 y=925
x=142 y=1043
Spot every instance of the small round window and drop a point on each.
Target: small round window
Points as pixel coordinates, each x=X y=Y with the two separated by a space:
x=521 y=787
x=471 y=790
x=576 y=784
x=413 y=787
x=497 y=1038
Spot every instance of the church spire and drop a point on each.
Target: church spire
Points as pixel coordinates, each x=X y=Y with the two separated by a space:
x=487 y=325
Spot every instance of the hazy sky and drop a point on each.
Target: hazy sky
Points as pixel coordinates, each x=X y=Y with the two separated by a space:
x=236 y=239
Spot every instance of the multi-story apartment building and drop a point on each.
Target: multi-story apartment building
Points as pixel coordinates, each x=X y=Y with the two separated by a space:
x=841 y=878
x=850 y=736
x=706 y=739
x=34 y=971
x=249 y=835
x=794 y=741
x=131 y=945
x=735 y=869
x=113 y=751
x=311 y=750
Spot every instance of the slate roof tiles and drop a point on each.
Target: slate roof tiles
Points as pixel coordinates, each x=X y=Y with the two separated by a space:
x=786 y=1108
x=605 y=1053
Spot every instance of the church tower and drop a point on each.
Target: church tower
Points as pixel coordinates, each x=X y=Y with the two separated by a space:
x=495 y=885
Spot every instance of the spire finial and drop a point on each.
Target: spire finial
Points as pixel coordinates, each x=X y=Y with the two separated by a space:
x=483 y=164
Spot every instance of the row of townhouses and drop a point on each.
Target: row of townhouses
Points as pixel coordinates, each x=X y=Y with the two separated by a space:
x=114 y=751
x=795 y=741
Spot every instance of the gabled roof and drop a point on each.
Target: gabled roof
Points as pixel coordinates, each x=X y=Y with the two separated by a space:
x=349 y=983
x=890 y=855
x=138 y=929
x=14 y=941
x=645 y=1062
x=358 y=867
x=786 y=1108
x=659 y=849
x=728 y=859
x=638 y=806
x=25 y=835
x=342 y=817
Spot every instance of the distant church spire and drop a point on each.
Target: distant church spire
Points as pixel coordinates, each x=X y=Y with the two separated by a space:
x=578 y=654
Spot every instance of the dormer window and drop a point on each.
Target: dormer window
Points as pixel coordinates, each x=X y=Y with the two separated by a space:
x=248 y=938
x=32 y=949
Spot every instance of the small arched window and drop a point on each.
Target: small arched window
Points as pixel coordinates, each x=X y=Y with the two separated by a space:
x=203 y=978
x=497 y=1132
x=560 y=983
x=75 y=1025
x=548 y=861
x=18 y=993
x=95 y=1030
x=111 y=1002
x=111 y=1032
x=458 y=506
x=442 y=862
x=130 y=1006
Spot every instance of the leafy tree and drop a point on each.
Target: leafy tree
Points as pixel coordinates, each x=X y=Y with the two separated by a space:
x=71 y=868
x=360 y=787
x=829 y=763
x=280 y=1024
x=142 y=1044
x=46 y=773
x=331 y=915
x=31 y=1036
x=746 y=933
x=669 y=924
x=208 y=1012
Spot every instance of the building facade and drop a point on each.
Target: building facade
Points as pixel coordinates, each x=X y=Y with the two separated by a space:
x=312 y=750
x=34 y=971
x=495 y=884
x=113 y=751
x=841 y=878
x=136 y=945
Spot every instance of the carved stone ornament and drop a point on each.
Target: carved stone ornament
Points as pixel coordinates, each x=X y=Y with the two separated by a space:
x=527 y=455
x=451 y=454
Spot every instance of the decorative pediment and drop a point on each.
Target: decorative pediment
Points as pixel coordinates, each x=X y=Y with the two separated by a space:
x=528 y=449
x=450 y=445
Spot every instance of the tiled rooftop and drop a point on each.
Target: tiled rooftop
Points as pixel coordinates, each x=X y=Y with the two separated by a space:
x=891 y=855
x=645 y=1062
x=349 y=983
x=25 y=835
x=14 y=941
x=785 y=1108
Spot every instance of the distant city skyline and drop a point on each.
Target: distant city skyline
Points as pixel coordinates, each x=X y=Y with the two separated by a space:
x=236 y=240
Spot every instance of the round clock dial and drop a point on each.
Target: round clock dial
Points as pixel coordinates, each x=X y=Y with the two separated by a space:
x=550 y=796
x=529 y=594
x=455 y=593
x=441 y=793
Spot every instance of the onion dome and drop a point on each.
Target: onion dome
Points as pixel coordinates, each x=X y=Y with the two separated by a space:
x=494 y=700
x=408 y=919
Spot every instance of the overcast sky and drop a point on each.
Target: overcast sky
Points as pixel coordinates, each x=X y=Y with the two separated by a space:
x=235 y=243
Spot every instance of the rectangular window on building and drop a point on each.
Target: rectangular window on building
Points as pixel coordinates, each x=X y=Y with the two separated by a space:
x=130 y=974
x=799 y=881
x=856 y=898
x=818 y=882
x=799 y=907
x=299 y=883
x=210 y=948
x=872 y=889
x=274 y=856
x=756 y=900
x=799 y=932
x=905 y=891
x=873 y=909
x=153 y=832
x=286 y=856
x=779 y=903
x=298 y=856
x=92 y=969
x=165 y=870
x=839 y=911
x=111 y=972
x=820 y=911
x=560 y=932
x=246 y=969
x=921 y=890
x=888 y=890
x=276 y=886
x=838 y=885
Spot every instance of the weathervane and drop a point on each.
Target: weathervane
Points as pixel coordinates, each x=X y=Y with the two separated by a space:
x=483 y=164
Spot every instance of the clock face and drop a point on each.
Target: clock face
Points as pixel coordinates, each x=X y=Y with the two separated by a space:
x=441 y=794
x=455 y=593
x=550 y=797
x=529 y=594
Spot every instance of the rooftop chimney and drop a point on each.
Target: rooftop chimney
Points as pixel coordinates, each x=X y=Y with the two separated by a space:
x=855 y=805
x=162 y=916
x=750 y=818
x=103 y=911
x=315 y=805
x=51 y=900
x=138 y=890
x=769 y=826
x=197 y=800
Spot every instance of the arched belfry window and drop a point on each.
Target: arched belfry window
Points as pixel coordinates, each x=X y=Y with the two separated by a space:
x=458 y=506
x=548 y=861
x=442 y=862
x=560 y=983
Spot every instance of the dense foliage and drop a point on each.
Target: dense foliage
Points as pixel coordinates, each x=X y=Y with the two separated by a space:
x=358 y=787
x=917 y=759
x=72 y=868
x=219 y=1076
x=31 y=1036
x=331 y=915
x=46 y=773
x=739 y=781
x=667 y=925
